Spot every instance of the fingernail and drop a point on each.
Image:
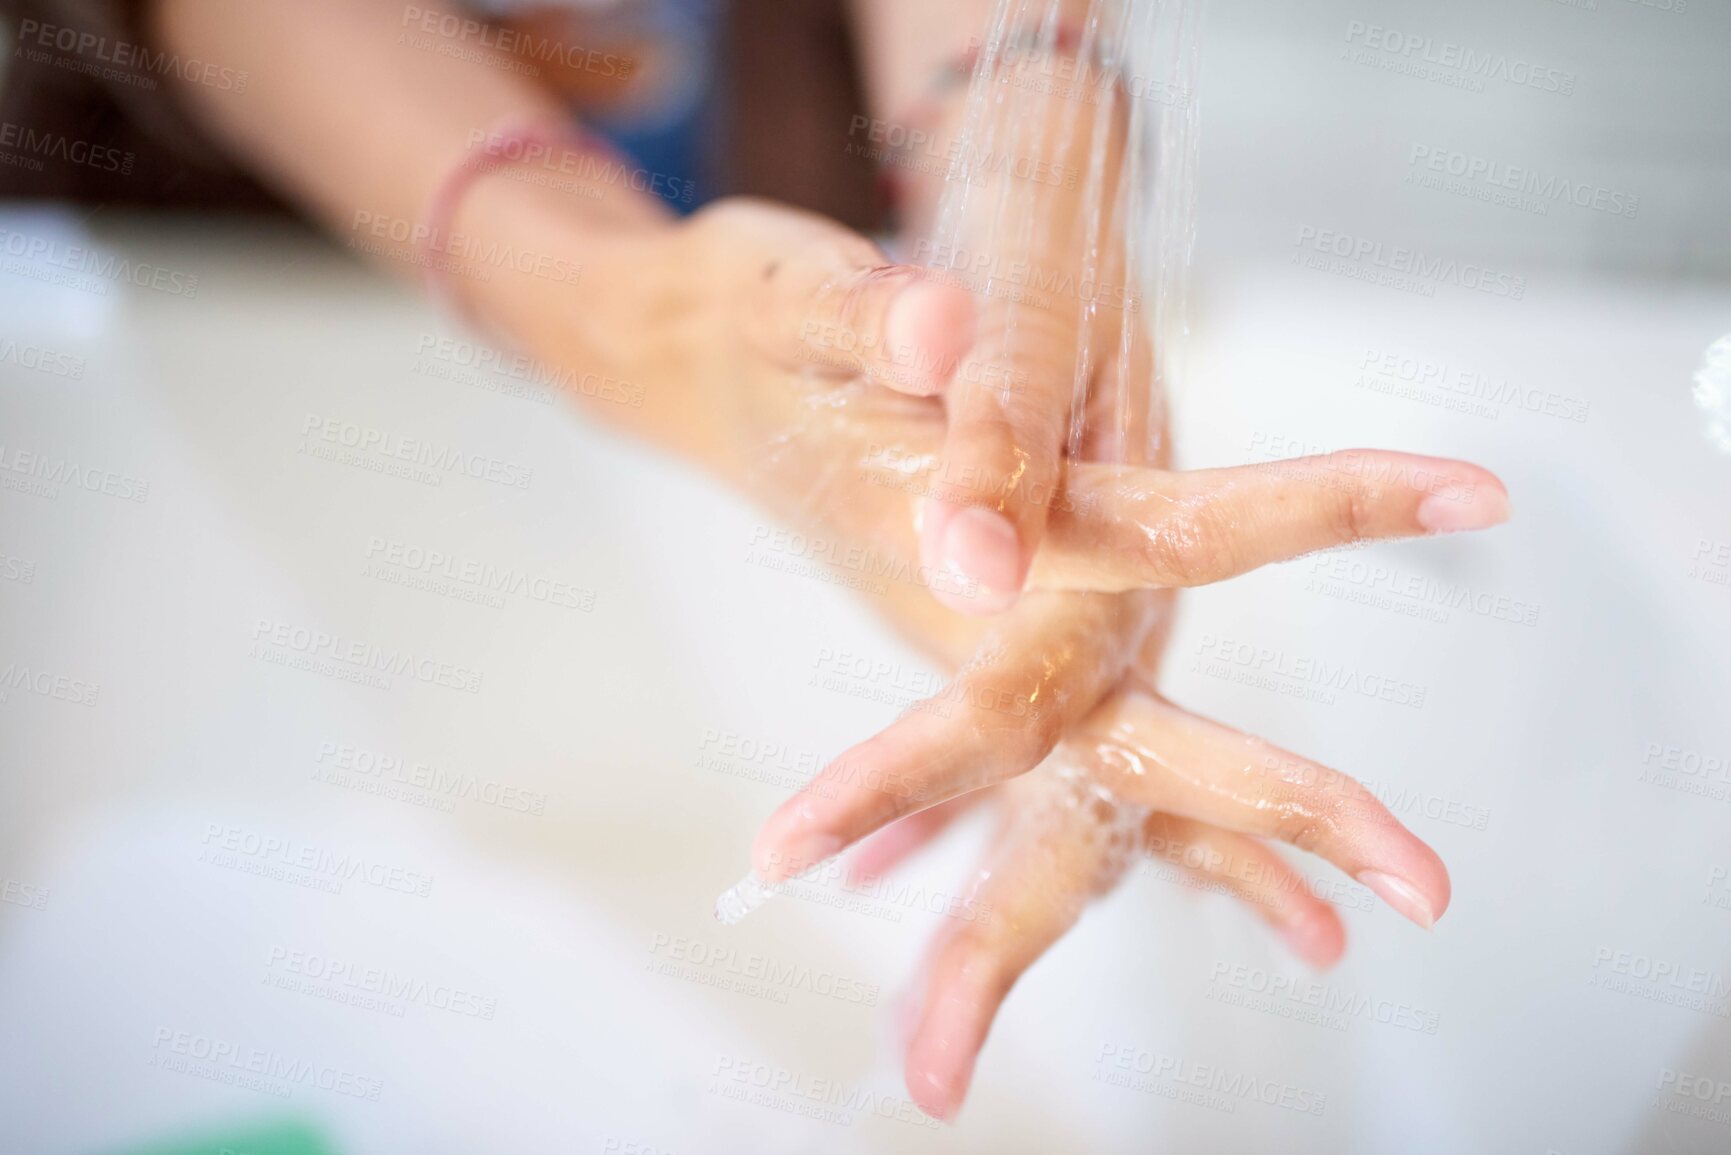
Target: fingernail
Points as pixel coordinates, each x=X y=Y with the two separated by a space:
x=940 y=1098
x=982 y=549
x=1441 y=513
x=907 y=308
x=1400 y=894
x=906 y=1016
x=922 y=317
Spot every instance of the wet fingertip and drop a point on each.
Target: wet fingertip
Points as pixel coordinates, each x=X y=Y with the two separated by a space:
x=949 y=585
x=1318 y=940
x=938 y=1096
x=979 y=557
x=928 y=329
x=938 y=315
x=1406 y=899
x=944 y=1049
x=1484 y=508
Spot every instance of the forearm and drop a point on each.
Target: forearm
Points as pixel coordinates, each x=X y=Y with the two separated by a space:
x=360 y=129
x=337 y=111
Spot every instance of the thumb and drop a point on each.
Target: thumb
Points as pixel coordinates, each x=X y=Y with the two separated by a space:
x=836 y=305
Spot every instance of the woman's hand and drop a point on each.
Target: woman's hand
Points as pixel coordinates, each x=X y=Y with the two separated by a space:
x=758 y=339
x=1140 y=777
x=737 y=356
x=771 y=332
x=1044 y=685
x=774 y=333
x=821 y=445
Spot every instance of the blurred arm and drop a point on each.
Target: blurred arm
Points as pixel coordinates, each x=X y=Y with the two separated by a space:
x=347 y=112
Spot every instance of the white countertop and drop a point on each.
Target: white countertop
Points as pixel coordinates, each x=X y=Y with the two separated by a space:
x=612 y=714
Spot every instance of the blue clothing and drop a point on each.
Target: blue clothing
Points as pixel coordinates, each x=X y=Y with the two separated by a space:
x=675 y=138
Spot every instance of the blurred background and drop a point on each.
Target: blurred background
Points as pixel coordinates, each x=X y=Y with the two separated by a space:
x=254 y=902
x=1310 y=117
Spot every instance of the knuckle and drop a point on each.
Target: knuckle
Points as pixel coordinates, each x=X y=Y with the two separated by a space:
x=1311 y=827
x=1193 y=546
x=884 y=786
x=983 y=955
x=984 y=466
x=1352 y=514
x=1011 y=728
x=1041 y=735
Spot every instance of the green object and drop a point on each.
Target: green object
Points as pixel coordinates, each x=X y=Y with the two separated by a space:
x=285 y=1137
